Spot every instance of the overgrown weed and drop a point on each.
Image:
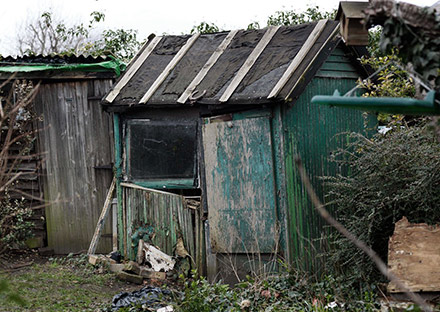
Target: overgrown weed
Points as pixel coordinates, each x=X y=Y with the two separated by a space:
x=285 y=291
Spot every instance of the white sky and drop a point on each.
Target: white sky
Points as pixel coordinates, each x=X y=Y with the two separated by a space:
x=158 y=16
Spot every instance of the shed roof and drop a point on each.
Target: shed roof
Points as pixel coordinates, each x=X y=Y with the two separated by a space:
x=234 y=67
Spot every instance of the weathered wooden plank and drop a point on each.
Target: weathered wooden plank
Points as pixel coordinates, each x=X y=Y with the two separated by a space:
x=164 y=212
x=197 y=242
x=102 y=217
x=135 y=186
x=168 y=68
x=133 y=69
x=74 y=137
x=208 y=65
x=298 y=58
x=250 y=61
x=300 y=79
x=414 y=256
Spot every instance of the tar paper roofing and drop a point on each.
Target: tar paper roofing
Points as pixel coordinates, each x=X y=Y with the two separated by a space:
x=232 y=67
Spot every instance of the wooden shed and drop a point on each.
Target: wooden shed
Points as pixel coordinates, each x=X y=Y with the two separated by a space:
x=75 y=144
x=351 y=17
x=220 y=118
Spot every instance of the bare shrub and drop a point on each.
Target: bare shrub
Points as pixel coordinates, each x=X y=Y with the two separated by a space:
x=17 y=136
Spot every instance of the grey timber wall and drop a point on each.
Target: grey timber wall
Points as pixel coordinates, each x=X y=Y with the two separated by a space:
x=76 y=140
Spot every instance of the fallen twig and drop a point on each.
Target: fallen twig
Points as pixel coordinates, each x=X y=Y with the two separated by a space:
x=18 y=267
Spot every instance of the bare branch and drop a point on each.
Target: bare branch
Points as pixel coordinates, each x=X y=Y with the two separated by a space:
x=358 y=243
x=14 y=178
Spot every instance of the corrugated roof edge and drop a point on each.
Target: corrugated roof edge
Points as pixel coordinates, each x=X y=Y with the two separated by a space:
x=41 y=63
x=53 y=59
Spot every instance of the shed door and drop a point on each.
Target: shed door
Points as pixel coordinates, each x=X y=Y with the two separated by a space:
x=240 y=185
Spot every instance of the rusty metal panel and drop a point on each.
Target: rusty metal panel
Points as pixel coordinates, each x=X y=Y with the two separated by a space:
x=240 y=185
x=166 y=217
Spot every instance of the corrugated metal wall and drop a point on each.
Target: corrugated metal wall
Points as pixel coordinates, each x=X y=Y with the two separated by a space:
x=312 y=132
x=76 y=136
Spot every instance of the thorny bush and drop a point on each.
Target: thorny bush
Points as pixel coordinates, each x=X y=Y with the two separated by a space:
x=391 y=176
x=17 y=137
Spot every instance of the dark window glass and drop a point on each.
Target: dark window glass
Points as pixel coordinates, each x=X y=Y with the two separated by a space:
x=159 y=150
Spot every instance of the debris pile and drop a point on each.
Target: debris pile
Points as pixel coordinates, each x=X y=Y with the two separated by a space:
x=151 y=263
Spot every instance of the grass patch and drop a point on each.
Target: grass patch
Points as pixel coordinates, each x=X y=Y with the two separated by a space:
x=61 y=284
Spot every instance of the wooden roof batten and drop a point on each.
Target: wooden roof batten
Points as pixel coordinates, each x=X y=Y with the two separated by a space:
x=208 y=65
x=169 y=68
x=316 y=32
x=132 y=70
x=332 y=35
x=250 y=61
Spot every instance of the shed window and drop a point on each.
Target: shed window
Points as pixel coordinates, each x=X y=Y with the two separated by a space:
x=161 y=150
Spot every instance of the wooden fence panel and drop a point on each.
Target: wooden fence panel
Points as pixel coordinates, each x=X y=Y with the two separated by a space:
x=76 y=140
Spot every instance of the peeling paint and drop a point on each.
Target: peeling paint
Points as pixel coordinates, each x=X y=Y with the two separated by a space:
x=240 y=185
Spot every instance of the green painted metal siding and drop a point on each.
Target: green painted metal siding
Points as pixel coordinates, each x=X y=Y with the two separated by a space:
x=338 y=65
x=312 y=132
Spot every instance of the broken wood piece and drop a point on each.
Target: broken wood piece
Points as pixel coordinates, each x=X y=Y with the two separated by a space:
x=147 y=273
x=93 y=259
x=102 y=217
x=180 y=248
x=132 y=278
x=133 y=267
x=116 y=267
x=193 y=204
x=140 y=257
x=414 y=256
x=158 y=260
x=98 y=259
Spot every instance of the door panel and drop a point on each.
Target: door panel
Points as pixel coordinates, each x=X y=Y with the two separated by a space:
x=240 y=185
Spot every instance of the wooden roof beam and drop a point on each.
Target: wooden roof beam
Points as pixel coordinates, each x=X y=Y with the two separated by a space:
x=316 y=32
x=132 y=69
x=169 y=68
x=250 y=61
x=207 y=67
x=332 y=35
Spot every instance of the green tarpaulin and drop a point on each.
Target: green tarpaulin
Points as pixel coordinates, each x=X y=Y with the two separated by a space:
x=105 y=66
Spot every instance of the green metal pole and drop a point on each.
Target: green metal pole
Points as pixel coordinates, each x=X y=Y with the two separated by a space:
x=118 y=173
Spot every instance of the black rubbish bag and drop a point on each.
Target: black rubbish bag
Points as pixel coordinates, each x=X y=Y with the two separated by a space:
x=150 y=296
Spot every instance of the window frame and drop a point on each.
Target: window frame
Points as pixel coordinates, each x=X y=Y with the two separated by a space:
x=161 y=183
